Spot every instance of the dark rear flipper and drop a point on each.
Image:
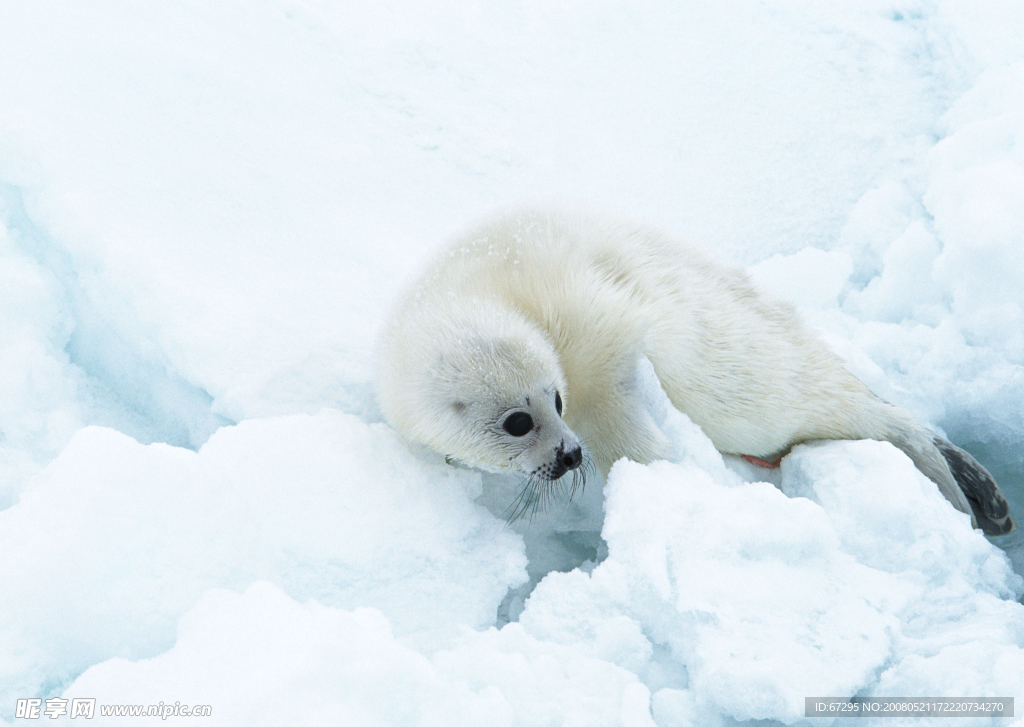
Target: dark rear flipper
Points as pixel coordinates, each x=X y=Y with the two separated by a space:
x=986 y=499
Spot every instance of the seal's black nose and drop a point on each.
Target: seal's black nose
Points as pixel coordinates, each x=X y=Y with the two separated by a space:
x=571 y=459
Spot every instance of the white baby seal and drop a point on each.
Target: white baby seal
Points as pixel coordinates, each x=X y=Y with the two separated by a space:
x=543 y=315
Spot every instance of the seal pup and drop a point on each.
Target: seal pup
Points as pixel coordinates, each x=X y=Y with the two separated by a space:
x=516 y=350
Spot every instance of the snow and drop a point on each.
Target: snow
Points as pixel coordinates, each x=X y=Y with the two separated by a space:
x=136 y=534
x=205 y=210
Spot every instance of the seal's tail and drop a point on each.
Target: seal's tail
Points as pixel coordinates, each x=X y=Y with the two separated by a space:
x=960 y=478
x=990 y=508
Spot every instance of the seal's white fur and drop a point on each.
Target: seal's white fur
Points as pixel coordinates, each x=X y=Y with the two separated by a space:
x=535 y=303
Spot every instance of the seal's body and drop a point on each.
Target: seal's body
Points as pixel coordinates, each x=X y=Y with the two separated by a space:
x=539 y=311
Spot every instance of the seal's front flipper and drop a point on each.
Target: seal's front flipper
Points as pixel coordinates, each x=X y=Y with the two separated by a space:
x=986 y=499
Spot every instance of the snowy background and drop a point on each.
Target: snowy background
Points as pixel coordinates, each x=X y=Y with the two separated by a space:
x=206 y=207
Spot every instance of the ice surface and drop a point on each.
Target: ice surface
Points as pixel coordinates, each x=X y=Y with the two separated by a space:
x=272 y=661
x=205 y=208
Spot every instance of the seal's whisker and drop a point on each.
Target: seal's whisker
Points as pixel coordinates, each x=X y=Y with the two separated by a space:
x=580 y=475
x=522 y=503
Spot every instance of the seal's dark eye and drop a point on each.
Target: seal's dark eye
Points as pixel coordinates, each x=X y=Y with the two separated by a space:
x=558 y=403
x=518 y=424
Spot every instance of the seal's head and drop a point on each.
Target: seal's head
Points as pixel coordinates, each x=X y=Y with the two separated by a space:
x=499 y=407
x=485 y=388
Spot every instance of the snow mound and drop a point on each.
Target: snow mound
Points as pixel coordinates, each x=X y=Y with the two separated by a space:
x=719 y=600
x=133 y=535
x=740 y=601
